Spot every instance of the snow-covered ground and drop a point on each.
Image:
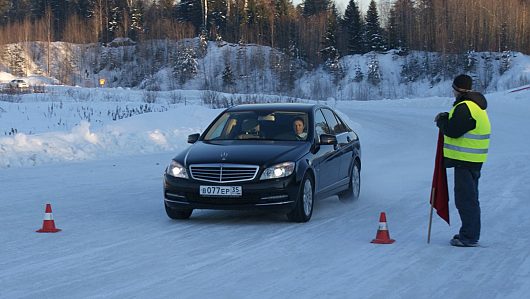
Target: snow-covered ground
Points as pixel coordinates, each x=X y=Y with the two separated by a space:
x=104 y=181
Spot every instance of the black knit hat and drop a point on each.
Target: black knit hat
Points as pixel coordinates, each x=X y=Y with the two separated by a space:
x=462 y=83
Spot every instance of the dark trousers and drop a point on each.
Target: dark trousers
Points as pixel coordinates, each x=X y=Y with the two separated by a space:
x=466 y=201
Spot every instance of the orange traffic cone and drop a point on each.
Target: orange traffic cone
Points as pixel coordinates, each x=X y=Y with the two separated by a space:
x=48 y=225
x=382 y=237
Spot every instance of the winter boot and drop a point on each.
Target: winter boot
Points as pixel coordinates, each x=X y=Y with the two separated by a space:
x=460 y=243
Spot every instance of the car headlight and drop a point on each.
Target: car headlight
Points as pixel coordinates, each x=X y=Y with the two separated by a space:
x=177 y=170
x=278 y=171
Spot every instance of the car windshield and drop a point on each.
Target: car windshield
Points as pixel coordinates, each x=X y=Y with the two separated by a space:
x=259 y=125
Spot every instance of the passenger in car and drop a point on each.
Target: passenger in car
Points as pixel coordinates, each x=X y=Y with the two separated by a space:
x=298 y=127
x=249 y=129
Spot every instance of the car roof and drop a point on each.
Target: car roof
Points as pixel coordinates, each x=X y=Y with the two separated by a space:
x=302 y=107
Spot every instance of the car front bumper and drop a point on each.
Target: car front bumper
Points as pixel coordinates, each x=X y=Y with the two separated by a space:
x=272 y=194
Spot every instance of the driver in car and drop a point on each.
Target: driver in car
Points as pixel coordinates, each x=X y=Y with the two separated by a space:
x=298 y=127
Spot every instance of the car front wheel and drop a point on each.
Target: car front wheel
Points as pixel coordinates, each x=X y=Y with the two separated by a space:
x=303 y=208
x=178 y=213
x=354 y=188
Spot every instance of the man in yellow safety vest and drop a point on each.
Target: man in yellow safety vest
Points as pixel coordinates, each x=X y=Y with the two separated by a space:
x=466 y=130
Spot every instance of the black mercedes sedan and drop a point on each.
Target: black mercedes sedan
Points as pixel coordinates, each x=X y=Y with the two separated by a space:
x=277 y=156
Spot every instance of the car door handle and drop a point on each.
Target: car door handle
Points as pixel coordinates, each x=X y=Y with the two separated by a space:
x=348 y=138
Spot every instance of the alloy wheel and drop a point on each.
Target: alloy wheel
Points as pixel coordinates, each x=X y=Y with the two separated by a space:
x=355 y=181
x=308 y=197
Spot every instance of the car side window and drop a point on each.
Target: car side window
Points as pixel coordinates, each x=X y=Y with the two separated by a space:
x=340 y=127
x=321 y=126
x=331 y=120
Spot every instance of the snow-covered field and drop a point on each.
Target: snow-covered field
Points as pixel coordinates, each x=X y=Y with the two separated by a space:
x=104 y=181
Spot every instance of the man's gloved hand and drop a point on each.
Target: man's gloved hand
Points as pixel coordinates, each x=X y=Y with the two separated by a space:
x=441 y=116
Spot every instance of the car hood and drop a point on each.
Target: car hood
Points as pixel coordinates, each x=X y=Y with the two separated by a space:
x=264 y=153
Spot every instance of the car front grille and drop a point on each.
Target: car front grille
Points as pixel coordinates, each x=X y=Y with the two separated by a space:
x=223 y=173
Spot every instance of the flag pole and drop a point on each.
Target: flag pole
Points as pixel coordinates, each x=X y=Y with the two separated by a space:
x=430 y=217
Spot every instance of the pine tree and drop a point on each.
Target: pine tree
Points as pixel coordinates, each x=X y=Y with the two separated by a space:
x=353 y=25
x=330 y=53
x=83 y=8
x=191 y=11
x=284 y=25
x=506 y=62
x=118 y=19
x=374 y=73
x=16 y=60
x=393 y=40
x=432 y=67
x=279 y=66
x=242 y=66
x=60 y=12
x=293 y=50
x=359 y=76
x=228 y=77
x=217 y=10
x=450 y=65
x=411 y=69
x=4 y=11
x=503 y=39
x=92 y=11
x=203 y=44
x=137 y=20
x=293 y=54
x=401 y=26
x=487 y=70
x=314 y=7
x=67 y=66
x=470 y=62
x=329 y=44
x=185 y=65
x=115 y=21
x=167 y=8
x=374 y=39
x=426 y=13
x=19 y=10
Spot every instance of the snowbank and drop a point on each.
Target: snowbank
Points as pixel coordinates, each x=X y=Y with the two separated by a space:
x=148 y=133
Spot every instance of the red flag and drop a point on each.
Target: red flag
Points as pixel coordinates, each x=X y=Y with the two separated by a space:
x=439 y=192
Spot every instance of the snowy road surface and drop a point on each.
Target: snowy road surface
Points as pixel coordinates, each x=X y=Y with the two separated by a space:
x=118 y=243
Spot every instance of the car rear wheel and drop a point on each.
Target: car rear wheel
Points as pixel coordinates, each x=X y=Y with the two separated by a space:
x=354 y=188
x=303 y=208
x=178 y=213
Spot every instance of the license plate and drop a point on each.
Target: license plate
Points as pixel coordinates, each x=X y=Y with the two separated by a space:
x=220 y=190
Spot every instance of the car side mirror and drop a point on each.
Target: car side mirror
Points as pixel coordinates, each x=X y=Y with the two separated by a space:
x=328 y=139
x=193 y=138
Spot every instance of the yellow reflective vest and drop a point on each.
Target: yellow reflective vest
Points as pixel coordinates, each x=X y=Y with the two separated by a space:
x=472 y=146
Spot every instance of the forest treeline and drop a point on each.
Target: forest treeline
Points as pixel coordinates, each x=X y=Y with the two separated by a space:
x=314 y=30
